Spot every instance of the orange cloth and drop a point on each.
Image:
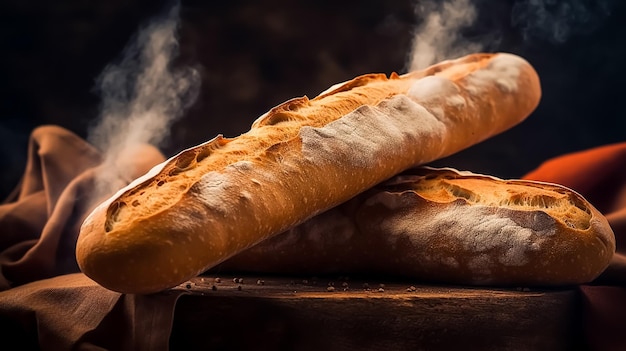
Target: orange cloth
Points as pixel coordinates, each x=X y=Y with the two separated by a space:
x=599 y=174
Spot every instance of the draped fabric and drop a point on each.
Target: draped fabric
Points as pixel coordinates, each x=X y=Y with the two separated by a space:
x=45 y=302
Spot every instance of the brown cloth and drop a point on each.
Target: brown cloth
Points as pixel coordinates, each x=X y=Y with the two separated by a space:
x=40 y=221
x=46 y=303
x=72 y=312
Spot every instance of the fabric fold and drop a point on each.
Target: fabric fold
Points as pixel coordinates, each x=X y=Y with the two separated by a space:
x=72 y=312
x=39 y=223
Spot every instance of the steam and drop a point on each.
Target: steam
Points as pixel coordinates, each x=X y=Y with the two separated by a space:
x=438 y=37
x=557 y=21
x=142 y=95
x=439 y=34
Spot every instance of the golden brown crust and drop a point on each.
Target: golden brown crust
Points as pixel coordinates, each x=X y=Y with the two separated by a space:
x=299 y=159
x=442 y=225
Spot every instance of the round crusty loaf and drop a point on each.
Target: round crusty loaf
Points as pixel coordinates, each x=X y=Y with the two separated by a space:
x=303 y=157
x=447 y=226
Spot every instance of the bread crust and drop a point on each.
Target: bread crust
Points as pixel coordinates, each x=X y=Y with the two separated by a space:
x=303 y=157
x=446 y=226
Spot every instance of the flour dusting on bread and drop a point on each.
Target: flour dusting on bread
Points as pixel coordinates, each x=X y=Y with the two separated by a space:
x=355 y=140
x=434 y=87
x=478 y=229
x=504 y=70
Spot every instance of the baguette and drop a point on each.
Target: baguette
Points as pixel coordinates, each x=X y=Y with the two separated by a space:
x=445 y=226
x=301 y=158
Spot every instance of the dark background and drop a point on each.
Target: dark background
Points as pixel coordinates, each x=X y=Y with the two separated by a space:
x=254 y=55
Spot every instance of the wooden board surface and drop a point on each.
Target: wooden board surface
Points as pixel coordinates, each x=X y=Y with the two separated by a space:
x=300 y=313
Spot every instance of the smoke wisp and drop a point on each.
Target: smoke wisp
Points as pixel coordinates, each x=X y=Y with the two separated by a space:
x=438 y=37
x=141 y=96
x=556 y=21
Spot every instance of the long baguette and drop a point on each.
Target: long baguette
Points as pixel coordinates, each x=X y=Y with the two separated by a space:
x=446 y=226
x=303 y=157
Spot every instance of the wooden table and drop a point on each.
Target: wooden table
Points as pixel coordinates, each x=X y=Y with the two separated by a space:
x=323 y=314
